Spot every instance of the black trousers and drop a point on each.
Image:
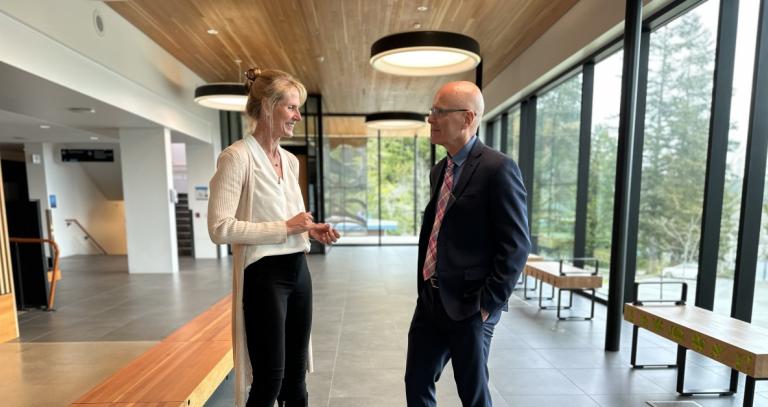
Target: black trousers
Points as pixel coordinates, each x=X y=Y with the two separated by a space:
x=433 y=339
x=277 y=306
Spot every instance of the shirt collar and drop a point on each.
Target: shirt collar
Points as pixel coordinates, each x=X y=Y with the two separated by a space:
x=462 y=155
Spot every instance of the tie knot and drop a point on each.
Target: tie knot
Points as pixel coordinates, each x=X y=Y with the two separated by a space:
x=450 y=164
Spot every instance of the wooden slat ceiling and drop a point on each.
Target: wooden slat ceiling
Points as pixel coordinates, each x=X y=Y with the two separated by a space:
x=326 y=43
x=336 y=126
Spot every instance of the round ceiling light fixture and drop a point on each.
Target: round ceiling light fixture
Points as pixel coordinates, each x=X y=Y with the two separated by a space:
x=222 y=95
x=394 y=120
x=425 y=53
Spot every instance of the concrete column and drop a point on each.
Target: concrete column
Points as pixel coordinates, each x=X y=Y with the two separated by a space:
x=201 y=163
x=150 y=220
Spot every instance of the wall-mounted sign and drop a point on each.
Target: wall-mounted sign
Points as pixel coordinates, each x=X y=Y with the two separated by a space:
x=87 y=155
x=201 y=192
x=52 y=201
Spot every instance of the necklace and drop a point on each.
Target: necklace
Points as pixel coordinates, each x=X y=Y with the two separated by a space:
x=275 y=161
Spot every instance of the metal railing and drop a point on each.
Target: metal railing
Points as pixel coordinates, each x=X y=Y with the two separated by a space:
x=54 y=275
x=88 y=236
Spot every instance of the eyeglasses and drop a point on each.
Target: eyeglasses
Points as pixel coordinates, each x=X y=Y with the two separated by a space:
x=436 y=111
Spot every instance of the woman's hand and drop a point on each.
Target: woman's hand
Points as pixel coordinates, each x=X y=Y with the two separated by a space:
x=300 y=223
x=324 y=233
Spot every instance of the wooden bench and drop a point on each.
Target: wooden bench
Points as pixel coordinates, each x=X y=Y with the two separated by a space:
x=531 y=257
x=564 y=277
x=182 y=370
x=737 y=344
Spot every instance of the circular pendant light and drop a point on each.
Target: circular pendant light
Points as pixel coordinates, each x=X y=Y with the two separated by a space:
x=222 y=96
x=394 y=120
x=425 y=53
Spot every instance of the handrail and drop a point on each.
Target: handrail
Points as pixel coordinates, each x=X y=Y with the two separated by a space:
x=87 y=235
x=56 y=272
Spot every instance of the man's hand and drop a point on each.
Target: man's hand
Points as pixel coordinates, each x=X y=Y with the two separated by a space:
x=484 y=314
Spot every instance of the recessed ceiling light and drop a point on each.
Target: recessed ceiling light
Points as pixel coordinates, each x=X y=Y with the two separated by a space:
x=212 y=31
x=45 y=126
x=83 y=110
x=94 y=138
x=416 y=26
x=422 y=8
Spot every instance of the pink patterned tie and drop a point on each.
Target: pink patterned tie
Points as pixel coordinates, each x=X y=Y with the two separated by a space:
x=445 y=193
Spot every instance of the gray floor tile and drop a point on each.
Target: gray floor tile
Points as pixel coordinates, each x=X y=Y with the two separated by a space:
x=611 y=381
x=550 y=401
x=530 y=382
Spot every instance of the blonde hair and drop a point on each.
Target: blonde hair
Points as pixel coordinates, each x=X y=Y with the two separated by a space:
x=270 y=86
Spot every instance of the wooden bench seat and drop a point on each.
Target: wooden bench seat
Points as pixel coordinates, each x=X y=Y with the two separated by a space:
x=182 y=370
x=737 y=344
x=564 y=277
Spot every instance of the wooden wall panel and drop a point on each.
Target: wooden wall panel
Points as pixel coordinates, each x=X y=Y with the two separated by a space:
x=9 y=325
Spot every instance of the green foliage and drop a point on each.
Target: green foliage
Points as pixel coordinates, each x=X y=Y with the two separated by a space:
x=675 y=145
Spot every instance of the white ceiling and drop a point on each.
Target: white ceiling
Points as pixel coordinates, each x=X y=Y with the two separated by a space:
x=28 y=101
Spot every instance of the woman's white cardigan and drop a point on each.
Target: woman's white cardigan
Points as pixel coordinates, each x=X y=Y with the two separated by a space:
x=230 y=209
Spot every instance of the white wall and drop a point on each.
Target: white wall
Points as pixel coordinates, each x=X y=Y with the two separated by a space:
x=55 y=40
x=77 y=197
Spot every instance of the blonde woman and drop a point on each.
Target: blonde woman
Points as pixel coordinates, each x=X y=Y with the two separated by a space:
x=256 y=206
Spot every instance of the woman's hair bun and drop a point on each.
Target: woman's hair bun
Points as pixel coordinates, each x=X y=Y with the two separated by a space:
x=250 y=75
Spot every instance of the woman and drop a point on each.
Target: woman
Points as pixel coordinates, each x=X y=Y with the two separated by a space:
x=256 y=206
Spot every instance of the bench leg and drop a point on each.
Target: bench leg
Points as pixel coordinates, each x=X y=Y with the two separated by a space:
x=573 y=318
x=681 y=352
x=525 y=286
x=633 y=355
x=526 y=289
x=749 y=392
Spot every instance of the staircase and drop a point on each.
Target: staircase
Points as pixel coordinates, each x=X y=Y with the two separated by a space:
x=184 y=234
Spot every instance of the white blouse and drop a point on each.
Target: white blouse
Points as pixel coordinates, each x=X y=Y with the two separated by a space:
x=274 y=199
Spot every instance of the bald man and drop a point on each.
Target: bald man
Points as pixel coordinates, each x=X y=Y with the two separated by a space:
x=472 y=248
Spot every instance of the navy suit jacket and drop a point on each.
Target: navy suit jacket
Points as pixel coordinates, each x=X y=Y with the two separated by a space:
x=483 y=242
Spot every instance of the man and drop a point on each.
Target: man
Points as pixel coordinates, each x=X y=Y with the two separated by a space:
x=472 y=249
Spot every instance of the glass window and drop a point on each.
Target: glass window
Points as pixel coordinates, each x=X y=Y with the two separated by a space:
x=348 y=181
x=556 y=165
x=513 y=133
x=493 y=133
x=675 y=146
x=376 y=183
x=602 y=165
x=400 y=187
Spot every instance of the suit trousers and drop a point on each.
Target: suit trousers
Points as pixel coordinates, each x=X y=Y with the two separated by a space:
x=277 y=308
x=434 y=339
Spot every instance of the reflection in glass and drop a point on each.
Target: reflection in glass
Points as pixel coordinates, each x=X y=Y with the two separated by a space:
x=376 y=182
x=675 y=146
x=513 y=133
x=556 y=164
x=602 y=165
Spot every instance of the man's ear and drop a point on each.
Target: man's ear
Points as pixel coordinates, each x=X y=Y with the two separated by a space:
x=469 y=118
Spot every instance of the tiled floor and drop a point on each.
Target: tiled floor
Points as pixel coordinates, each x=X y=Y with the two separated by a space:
x=364 y=299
